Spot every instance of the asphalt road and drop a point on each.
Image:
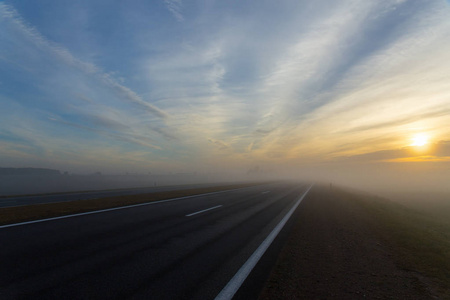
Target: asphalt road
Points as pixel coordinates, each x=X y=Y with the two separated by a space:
x=184 y=249
x=63 y=197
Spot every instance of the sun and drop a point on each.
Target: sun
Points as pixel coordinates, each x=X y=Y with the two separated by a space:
x=419 y=140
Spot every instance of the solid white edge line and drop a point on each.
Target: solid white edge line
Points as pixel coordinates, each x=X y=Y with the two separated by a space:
x=235 y=283
x=114 y=208
x=199 y=212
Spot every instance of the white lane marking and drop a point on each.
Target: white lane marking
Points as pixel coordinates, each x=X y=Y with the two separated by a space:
x=114 y=208
x=235 y=283
x=199 y=212
x=265 y=192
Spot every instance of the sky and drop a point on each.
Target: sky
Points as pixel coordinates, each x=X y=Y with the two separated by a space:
x=288 y=86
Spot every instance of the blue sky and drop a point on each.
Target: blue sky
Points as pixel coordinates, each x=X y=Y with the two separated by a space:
x=206 y=85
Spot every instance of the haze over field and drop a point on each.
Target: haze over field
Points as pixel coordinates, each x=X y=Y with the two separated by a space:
x=354 y=92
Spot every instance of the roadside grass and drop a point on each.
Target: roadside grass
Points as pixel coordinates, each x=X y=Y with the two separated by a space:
x=420 y=240
x=10 y=215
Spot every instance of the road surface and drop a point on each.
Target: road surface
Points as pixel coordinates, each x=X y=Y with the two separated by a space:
x=63 y=197
x=184 y=249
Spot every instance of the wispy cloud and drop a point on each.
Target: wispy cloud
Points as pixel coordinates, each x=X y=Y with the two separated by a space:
x=431 y=152
x=371 y=91
x=175 y=7
x=220 y=144
x=8 y=14
x=291 y=82
x=131 y=96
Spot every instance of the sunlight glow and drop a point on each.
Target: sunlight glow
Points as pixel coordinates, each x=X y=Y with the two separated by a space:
x=419 y=140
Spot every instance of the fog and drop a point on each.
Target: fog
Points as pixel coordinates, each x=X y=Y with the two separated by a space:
x=409 y=182
x=60 y=183
x=352 y=93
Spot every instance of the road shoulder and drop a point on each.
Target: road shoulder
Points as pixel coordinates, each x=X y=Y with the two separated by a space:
x=335 y=252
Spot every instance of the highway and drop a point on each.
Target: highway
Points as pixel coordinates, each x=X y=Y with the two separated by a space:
x=189 y=248
x=63 y=197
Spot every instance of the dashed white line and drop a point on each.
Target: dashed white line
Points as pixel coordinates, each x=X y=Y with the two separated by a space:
x=199 y=212
x=115 y=208
x=235 y=283
x=265 y=192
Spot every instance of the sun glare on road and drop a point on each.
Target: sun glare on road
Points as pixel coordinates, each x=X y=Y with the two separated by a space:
x=419 y=140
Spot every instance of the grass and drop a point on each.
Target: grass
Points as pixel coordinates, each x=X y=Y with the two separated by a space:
x=420 y=240
x=9 y=215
